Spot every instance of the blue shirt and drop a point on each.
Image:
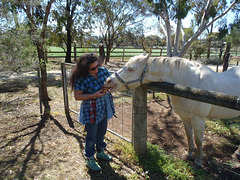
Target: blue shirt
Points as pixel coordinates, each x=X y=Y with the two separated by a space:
x=90 y=85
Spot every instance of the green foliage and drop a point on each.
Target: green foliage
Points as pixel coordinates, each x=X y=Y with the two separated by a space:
x=212 y=60
x=234 y=36
x=178 y=9
x=230 y=32
x=225 y=127
x=69 y=17
x=113 y=19
x=198 y=48
x=157 y=164
x=156 y=160
x=17 y=51
x=223 y=31
x=182 y=9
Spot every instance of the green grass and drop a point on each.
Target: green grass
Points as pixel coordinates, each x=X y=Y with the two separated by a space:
x=157 y=164
x=57 y=51
x=225 y=127
x=118 y=52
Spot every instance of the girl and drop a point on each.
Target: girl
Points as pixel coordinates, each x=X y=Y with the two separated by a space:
x=87 y=80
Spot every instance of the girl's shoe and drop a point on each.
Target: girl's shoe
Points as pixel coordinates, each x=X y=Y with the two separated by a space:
x=102 y=155
x=93 y=165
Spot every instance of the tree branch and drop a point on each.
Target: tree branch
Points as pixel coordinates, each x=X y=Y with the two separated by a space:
x=205 y=13
x=203 y=27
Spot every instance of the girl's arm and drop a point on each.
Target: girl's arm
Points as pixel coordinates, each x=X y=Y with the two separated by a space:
x=79 y=96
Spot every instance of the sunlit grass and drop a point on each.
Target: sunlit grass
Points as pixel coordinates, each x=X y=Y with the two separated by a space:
x=224 y=126
x=156 y=163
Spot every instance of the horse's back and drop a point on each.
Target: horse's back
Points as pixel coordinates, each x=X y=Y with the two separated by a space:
x=233 y=72
x=229 y=83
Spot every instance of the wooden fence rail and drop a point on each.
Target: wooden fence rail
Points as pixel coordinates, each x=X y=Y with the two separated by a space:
x=140 y=106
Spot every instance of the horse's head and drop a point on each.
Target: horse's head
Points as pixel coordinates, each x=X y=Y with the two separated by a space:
x=130 y=76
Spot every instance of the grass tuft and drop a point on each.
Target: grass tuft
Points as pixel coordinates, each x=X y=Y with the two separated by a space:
x=157 y=164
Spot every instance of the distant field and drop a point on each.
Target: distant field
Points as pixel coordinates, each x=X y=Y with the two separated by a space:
x=56 y=52
x=125 y=53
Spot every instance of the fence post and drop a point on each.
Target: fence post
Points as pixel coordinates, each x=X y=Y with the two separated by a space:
x=139 y=134
x=75 y=52
x=123 y=53
x=65 y=95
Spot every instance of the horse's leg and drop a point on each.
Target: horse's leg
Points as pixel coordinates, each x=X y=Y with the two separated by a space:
x=199 y=127
x=189 y=132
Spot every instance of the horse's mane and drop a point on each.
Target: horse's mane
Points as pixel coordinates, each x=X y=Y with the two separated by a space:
x=176 y=69
x=183 y=64
x=180 y=63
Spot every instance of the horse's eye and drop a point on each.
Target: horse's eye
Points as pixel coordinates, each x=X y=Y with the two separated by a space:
x=130 y=69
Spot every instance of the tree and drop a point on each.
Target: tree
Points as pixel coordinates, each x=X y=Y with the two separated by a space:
x=68 y=16
x=234 y=36
x=214 y=8
x=112 y=19
x=231 y=33
x=17 y=50
x=37 y=14
x=177 y=10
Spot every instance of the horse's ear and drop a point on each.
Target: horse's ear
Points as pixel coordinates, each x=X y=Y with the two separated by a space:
x=148 y=56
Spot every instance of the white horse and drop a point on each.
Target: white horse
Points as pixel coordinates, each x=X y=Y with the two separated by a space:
x=141 y=69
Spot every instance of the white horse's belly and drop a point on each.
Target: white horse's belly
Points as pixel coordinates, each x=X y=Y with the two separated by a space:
x=190 y=107
x=218 y=112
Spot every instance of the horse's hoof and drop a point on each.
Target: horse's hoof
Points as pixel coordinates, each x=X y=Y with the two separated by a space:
x=198 y=163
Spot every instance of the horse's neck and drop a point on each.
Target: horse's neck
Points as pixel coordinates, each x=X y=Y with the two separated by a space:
x=168 y=70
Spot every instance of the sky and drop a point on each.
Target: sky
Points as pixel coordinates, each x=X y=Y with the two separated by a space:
x=186 y=22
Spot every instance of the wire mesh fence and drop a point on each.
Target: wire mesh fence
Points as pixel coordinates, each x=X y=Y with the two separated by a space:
x=121 y=125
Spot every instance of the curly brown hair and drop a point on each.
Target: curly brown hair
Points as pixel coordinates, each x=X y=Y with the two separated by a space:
x=82 y=66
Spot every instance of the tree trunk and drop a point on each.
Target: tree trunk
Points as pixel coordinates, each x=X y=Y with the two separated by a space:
x=108 y=55
x=69 y=37
x=177 y=36
x=219 y=57
x=226 y=57
x=44 y=93
x=169 y=39
x=69 y=47
x=108 y=47
x=101 y=53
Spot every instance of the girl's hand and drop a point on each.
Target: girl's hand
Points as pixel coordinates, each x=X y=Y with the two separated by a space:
x=99 y=94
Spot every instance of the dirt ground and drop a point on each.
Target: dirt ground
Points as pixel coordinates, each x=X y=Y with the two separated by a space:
x=34 y=147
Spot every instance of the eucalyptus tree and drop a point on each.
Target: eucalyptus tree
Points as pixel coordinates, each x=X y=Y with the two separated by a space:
x=17 y=50
x=176 y=10
x=113 y=18
x=234 y=35
x=231 y=34
x=36 y=13
x=70 y=16
x=215 y=9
